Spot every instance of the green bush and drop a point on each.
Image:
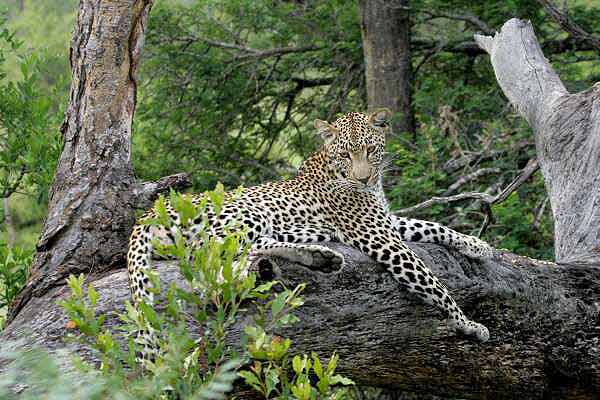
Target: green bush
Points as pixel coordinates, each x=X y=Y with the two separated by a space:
x=14 y=264
x=216 y=295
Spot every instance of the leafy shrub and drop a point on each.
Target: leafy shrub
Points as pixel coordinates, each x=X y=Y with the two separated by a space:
x=216 y=293
x=14 y=264
x=28 y=123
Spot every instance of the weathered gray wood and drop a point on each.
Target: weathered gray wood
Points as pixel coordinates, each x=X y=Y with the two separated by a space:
x=543 y=320
x=567 y=135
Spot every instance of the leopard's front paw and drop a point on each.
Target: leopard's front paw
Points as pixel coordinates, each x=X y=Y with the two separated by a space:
x=323 y=259
x=479 y=330
x=472 y=328
x=266 y=269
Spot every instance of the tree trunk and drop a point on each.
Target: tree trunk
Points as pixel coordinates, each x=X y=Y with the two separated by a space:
x=543 y=320
x=385 y=29
x=92 y=199
x=567 y=136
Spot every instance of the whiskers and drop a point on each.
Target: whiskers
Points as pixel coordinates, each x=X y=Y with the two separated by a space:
x=387 y=164
x=374 y=186
x=345 y=184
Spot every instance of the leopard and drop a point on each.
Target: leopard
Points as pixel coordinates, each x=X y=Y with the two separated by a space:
x=337 y=195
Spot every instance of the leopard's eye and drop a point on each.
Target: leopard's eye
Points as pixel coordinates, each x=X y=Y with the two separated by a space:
x=371 y=149
x=345 y=154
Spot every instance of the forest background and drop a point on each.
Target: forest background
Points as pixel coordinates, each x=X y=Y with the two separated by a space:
x=228 y=91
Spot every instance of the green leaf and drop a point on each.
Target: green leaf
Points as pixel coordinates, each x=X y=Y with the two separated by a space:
x=332 y=365
x=297 y=364
x=341 y=380
x=271 y=380
x=250 y=379
x=278 y=303
x=265 y=287
x=317 y=365
x=287 y=320
x=323 y=385
x=93 y=295
x=150 y=314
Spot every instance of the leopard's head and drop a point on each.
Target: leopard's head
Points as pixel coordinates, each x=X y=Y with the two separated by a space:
x=354 y=144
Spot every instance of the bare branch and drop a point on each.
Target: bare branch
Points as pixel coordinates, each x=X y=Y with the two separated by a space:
x=10 y=189
x=466 y=17
x=222 y=45
x=562 y=18
x=525 y=174
x=278 y=51
x=471 y=48
x=147 y=192
x=249 y=52
x=455 y=164
x=463 y=180
x=445 y=200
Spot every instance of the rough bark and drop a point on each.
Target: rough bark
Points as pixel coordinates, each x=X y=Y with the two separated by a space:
x=567 y=136
x=385 y=27
x=543 y=320
x=92 y=199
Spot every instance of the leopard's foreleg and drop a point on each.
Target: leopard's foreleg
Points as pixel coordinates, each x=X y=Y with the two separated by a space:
x=415 y=230
x=384 y=245
x=296 y=245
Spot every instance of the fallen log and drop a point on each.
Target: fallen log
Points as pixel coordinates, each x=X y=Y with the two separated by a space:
x=543 y=319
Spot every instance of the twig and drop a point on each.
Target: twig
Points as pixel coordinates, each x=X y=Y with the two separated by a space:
x=471 y=48
x=457 y=163
x=147 y=192
x=539 y=213
x=250 y=52
x=466 y=17
x=10 y=189
x=562 y=18
x=463 y=180
x=487 y=199
x=8 y=221
x=428 y=54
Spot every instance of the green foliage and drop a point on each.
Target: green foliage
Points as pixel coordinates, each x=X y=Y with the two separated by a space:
x=215 y=103
x=212 y=104
x=219 y=99
x=44 y=28
x=14 y=264
x=29 y=139
x=265 y=377
x=522 y=230
x=215 y=294
x=29 y=148
x=27 y=216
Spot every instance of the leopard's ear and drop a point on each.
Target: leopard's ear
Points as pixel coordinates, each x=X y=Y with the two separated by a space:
x=380 y=117
x=327 y=131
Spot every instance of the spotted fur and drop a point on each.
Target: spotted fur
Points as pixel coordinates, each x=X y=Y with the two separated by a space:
x=336 y=195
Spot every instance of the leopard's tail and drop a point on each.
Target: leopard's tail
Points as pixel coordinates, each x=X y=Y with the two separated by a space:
x=139 y=256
